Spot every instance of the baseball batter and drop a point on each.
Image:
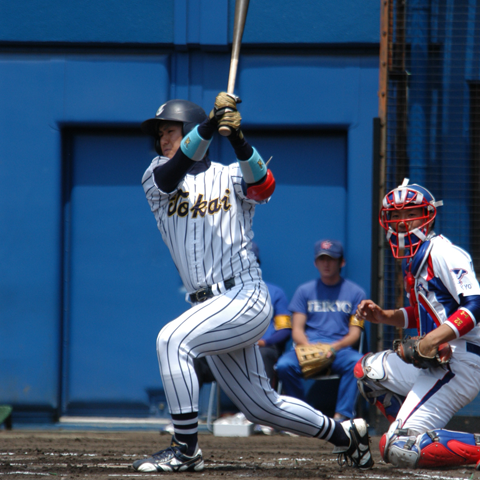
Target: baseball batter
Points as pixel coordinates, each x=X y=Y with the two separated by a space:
x=204 y=211
x=444 y=297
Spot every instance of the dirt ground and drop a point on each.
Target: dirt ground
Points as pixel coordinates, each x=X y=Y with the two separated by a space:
x=106 y=455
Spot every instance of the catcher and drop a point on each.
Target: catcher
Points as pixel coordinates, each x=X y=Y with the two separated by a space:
x=324 y=330
x=424 y=381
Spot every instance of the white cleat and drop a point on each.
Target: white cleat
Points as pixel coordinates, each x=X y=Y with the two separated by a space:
x=357 y=454
x=172 y=459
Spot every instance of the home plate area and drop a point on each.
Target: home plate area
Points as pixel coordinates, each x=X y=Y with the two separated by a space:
x=109 y=454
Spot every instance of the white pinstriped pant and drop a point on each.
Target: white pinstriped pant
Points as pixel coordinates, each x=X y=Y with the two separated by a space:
x=226 y=328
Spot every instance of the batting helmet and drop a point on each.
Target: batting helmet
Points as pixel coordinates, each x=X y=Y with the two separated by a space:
x=405 y=235
x=183 y=111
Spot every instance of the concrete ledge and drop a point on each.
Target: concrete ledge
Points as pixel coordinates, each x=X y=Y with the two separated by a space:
x=111 y=420
x=104 y=423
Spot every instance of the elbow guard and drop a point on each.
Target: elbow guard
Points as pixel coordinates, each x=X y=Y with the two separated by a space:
x=264 y=190
x=194 y=146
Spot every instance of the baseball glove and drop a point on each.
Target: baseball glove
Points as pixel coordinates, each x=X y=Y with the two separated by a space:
x=407 y=350
x=313 y=358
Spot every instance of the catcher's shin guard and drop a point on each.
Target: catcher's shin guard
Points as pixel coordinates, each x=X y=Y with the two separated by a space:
x=444 y=448
x=369 y=372
x=432 y=449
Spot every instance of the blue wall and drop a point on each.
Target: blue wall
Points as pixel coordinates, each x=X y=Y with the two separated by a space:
x=189 y=22
x=59 y=75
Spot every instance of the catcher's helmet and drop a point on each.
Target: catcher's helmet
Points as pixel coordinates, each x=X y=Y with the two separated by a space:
x=407 y=197
x=184 y=111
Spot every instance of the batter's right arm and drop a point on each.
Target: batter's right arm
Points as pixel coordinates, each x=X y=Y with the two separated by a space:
x=171 y=173
x=259 y=180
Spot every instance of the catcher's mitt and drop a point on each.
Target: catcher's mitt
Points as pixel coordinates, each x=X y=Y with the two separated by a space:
x=313 y=358
x=407 y=350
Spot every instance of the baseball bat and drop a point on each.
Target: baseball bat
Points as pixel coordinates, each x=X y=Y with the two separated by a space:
x=241 y=9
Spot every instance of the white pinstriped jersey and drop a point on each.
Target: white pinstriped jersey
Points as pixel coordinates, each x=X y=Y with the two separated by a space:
x=206 y=223
x=442 y=273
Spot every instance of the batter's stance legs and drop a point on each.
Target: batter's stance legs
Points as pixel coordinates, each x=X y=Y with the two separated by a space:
x=241 y=374
x=251 y=392
x=242 y=377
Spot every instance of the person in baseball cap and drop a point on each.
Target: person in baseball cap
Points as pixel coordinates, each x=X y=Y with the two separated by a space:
x=329 y=260
x=322 y=312
x=332 y=248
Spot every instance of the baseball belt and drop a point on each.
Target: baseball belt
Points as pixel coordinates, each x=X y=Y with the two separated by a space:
x=205 y=293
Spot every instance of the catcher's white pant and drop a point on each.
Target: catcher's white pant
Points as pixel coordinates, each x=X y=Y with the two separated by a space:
x=226 y=328
x=433 y=396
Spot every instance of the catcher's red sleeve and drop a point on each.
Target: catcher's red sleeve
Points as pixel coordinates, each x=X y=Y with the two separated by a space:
x=410 y=320
x=461 y=322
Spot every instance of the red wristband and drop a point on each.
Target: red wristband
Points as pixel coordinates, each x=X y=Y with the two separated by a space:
x=461 y=322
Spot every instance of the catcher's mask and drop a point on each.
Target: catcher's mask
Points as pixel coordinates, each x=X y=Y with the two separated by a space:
x=406 y=242
x=189 y=114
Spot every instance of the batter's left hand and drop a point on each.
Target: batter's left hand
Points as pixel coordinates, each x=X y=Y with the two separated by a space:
x=224 y=102
x=227 y=100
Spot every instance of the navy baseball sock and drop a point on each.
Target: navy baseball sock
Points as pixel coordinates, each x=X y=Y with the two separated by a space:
x=339 y=438
x=185 y=427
